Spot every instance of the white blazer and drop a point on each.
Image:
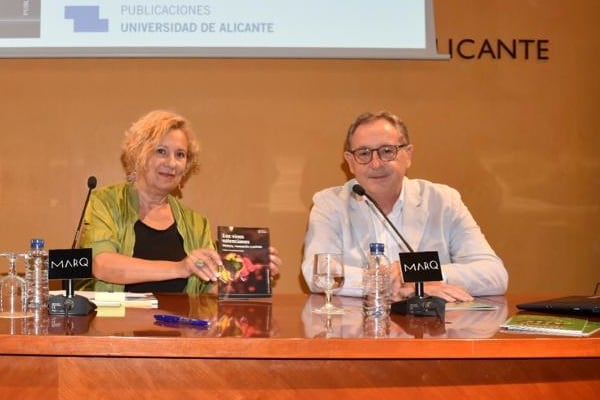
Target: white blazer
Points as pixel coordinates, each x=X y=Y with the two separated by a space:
x=434 y=218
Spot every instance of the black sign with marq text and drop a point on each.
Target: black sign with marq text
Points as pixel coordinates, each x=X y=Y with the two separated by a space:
x=421 y=266
x=69 y=263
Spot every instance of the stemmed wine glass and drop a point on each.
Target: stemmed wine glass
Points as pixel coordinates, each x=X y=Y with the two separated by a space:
x=13 y=291
x=328 y=275
x=330 y=330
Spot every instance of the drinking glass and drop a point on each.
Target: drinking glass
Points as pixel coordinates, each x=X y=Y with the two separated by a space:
x=13 y=291
x=328 y=275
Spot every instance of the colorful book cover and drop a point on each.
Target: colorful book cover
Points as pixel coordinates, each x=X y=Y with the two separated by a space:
x=245 y=255
x=550 y=325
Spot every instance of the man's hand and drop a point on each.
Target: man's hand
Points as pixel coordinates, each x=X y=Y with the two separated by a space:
x=450 y=293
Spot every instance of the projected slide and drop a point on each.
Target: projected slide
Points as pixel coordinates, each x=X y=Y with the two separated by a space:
x=218 y=28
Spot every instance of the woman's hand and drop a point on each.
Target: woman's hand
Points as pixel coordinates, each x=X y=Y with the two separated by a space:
x=204 y=263
x=275 y=261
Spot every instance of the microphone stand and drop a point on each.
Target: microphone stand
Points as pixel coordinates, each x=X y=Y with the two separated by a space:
x=67 y=284
x=73 y=304
x=419 y=304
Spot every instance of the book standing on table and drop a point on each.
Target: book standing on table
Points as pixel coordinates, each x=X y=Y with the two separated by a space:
x=245 y=255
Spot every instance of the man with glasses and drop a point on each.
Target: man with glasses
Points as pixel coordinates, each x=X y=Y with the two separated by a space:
x=429 y=216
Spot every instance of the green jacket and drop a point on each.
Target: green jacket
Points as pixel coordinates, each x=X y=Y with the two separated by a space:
x=109 y=219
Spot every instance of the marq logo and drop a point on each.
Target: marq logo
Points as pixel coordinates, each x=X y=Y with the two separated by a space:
x=86 y=19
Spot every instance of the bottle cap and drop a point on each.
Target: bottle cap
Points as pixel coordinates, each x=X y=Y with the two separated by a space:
x=37 y=243
x=376 y=247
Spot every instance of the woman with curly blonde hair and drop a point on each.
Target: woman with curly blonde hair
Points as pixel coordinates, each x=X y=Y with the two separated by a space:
x=143 y=238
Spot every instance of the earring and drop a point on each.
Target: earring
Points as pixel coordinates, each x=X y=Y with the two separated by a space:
x=131 y=177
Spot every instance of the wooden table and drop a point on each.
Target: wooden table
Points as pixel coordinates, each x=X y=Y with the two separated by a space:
x=293 y=353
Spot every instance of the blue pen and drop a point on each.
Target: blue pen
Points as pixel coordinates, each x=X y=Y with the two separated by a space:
x=174 y=319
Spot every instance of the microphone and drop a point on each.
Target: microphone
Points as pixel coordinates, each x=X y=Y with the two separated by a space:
x=91 y=184
x=419 y=304
x=359 y=190
x=71 y=303
x=67 y=284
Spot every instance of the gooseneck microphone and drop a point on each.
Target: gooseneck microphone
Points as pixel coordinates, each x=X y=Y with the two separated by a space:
x=91 y=184
x=71 y=303
x=359 y=190
x=67 y=284
x=419 y=304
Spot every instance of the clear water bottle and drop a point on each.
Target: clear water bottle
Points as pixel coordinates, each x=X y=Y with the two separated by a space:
x=377 y=283
x=38 y=323
x=376 y=327
x=36 y=275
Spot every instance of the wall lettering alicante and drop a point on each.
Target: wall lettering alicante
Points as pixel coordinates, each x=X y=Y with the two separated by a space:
x=495 y=49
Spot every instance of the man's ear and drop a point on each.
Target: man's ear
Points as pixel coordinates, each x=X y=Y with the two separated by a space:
x=349 y=160
x=409 y=154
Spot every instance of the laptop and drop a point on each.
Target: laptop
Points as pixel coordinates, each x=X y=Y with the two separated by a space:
x=575 y=305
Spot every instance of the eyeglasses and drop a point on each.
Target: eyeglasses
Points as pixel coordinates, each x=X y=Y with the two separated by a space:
x=387 y=152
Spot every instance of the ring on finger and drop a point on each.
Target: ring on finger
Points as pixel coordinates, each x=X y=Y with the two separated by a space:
x=200 y=264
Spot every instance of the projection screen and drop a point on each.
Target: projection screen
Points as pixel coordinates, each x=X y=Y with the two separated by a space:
x=390 y=29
